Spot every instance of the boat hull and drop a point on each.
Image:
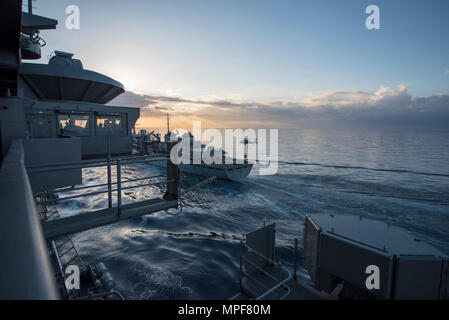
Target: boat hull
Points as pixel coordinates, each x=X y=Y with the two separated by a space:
x=233 y=174
x=224 y=172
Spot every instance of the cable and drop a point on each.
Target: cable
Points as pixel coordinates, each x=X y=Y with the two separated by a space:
x=180 y=205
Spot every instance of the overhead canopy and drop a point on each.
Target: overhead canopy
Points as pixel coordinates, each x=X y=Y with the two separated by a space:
x=54 y=82
x=32 y=22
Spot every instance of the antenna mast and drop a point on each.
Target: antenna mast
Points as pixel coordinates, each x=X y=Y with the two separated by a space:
x=168 y=123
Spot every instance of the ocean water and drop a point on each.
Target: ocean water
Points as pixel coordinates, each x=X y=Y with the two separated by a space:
x=400 y=177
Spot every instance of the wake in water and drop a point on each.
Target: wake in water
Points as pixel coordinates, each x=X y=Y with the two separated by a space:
x=361 y=168
x=195 y=255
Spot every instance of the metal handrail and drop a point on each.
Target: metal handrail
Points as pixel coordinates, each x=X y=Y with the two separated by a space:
x=259 y=254
x=106 y=184
x=260 y=269
x=101 y=162
x=270 y=290
x=118 y=162
x=83 y=165
x=260 y=283
x=26 y=268
x=106 y=191
x=275 y=287
x=280 y=284
x=60 y=266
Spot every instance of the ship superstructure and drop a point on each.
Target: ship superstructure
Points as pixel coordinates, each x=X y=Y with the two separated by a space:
x=54 y=123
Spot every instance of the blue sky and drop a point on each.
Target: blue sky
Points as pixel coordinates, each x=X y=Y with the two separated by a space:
x=256 y=50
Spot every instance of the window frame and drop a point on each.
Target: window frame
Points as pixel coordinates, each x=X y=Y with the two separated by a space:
x=86 y=129
x=105 y=115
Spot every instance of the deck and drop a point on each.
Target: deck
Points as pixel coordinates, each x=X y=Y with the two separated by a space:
x=90 y=220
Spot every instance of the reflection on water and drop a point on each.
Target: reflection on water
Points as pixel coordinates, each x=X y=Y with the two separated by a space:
x=399 y=177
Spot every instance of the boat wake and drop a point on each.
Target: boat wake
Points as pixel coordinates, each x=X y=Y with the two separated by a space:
x=160 y=256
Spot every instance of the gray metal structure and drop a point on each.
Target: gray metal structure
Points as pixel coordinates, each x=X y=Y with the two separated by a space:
x=340 y=248
x=339 y=254
x=53 y=124
x=54 y=119
x=41 y=152
x=64 y=78
x=26 y=272
x=59 y=99
x=261 y=277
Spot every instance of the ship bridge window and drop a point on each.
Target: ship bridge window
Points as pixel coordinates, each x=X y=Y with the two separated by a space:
x=73 y=125
x=110 y=125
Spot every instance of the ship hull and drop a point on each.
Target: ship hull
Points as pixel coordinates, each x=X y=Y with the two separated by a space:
x=224 y=172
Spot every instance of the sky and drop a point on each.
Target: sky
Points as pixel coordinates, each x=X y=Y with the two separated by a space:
x=266 y=63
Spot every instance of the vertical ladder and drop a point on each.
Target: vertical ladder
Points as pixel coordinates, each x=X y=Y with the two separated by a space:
x=63 y=248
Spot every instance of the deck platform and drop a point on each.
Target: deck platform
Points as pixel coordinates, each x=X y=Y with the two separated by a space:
x=262 y=277
x=90 y=220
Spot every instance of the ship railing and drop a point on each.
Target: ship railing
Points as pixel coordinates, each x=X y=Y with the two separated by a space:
x=113 y=185
x=26 y=268
x=279 y=280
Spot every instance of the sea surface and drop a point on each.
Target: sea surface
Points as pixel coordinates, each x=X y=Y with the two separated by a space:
x=400 y=177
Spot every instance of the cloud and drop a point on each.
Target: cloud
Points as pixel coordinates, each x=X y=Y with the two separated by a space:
x=446 y=71
x=386 y=106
